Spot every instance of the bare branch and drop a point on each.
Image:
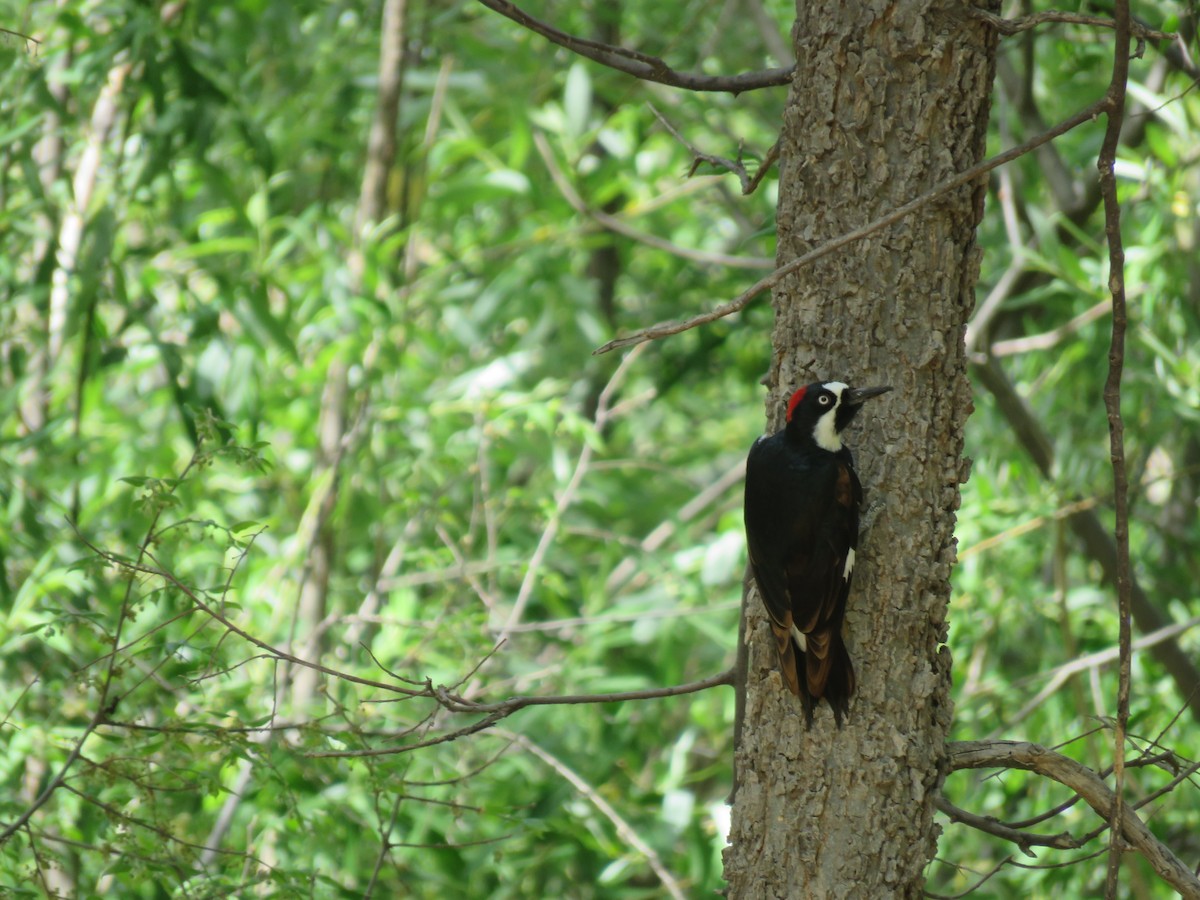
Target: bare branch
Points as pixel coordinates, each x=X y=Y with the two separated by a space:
x=1183 y=776
x=1049 y=339
x=641 y=65
x=1085 y=782
x=107 y=701
x=627 y=570
x=1088 y=528
x=604 y=412
x=973 y=888
x=1063 y=512
x=989 y=825
x=740 y=302
x=612 y=223
x=624 y=829
x=273 y=652
x=640 y=615
x=1062 y=674
x=17 y=34
x=505 y=708
x=748 y=182
x=1008 y=27
x=1116 y=427
x=511 y=705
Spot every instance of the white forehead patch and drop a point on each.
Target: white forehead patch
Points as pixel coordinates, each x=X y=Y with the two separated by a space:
x=825 y=434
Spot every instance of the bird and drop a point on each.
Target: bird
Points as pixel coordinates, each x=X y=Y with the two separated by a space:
x=801 y=510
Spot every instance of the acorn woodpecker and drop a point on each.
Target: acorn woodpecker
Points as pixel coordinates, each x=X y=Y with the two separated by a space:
x=802 y=502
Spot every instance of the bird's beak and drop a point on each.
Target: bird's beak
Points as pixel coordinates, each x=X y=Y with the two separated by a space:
x=856 y=396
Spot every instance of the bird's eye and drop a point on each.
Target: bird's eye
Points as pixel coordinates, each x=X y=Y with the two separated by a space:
x=824 y=400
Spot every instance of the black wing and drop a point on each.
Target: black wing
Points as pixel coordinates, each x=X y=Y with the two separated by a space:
x=801 y=532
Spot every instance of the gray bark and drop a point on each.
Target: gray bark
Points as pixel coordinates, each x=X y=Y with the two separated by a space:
x=888 y=99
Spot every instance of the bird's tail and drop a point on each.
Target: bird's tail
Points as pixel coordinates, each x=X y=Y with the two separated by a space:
x=828 y=671
x=791 y=665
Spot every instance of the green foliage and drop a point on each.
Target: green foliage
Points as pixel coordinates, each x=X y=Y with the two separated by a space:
x=223 y=317
x=212 y=311
x=1027 y=599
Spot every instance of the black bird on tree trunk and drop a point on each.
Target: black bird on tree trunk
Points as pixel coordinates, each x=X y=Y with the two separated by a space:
x=802 y=504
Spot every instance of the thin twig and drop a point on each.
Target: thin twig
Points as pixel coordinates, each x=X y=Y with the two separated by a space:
x=624 y=573
x=271 y=651
x=640 y=615
x=1106 y=163
x=1062 y=841
x=1063 y=512
x=642 y=65
x=1096 y=537
x=512 y=704
x=21 y=35
x=1183 y=776
x=164 y=833
x=1008 y=27
x=502 y=710
x=106 y=703
x=1082 y=780
x=1062 y=674
x=612 y=223
x=624 y=829
x=445 y=697
x=1065 y=864
x=666 y=329
x=978 y=884
x=565 y=499
x=1051 y=338
x=749 y=183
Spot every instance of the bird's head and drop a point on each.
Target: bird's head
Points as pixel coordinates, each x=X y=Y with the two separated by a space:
x=819 y=412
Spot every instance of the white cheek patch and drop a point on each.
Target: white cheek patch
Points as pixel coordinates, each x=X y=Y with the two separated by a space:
x=800 y=639
x=825 y=434
x=849 y=567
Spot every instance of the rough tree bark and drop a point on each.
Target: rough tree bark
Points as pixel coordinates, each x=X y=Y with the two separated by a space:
x=887 y=100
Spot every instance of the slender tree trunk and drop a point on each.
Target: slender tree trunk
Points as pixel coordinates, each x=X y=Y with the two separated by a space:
x=337 y=400
x=887 y=100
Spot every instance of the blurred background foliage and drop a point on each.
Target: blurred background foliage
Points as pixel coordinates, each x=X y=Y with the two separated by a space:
x=386 y=443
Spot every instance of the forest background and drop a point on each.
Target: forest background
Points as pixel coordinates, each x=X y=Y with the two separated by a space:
x=317 y=343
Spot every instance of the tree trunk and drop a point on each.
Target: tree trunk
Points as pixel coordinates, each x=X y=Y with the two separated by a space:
x=887 y=100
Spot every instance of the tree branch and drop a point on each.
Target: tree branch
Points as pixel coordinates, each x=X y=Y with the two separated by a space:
x=1085 y=782
x=638 y=64
x=989 y=825
x=1096 y=538
x=107 y=701
x=604 y=412
x=505 y=708
x=973 y=888
x=612 y=223
x=665 y=329
x=1062 y=674
x=1048 y=339
x=1106 y=163
x=1008 y=27
x=624 y=829
x=748 y=182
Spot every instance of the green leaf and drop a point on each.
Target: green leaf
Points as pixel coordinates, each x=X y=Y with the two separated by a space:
x=577 y=98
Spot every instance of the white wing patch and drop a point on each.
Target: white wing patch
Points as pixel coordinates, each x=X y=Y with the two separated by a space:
x=800 y=638
x=849 y=567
